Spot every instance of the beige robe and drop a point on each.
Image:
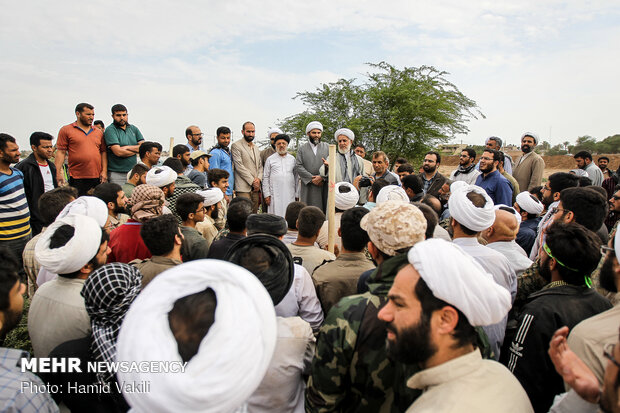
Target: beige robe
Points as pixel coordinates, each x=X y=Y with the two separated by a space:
x=528 y=171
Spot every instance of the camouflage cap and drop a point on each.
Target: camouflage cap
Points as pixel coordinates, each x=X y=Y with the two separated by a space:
x=394 y=225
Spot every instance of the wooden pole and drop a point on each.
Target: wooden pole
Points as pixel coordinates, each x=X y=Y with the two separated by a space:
x=171 y=146
x=331 y=199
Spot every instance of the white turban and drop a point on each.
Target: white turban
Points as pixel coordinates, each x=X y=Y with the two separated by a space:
x=456 y=278
x=532 y=134
x=529 y=203
x=211 y=196
x=274 y=130
x=346 y=132
x=346 y=200
x=510 y=209
x=160 y=176
x=456 y=185
x=466 y=213
x=77 y=252
x=88 y=206
x=314 y=125
x=392 y=192
x=233 y=356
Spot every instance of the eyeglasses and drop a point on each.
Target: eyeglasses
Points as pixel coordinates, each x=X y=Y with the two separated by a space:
x=544 y=188
x=615 y=197
x=198 y=134
x=486 y=158
x=608 y=352
x=464 y=156
x=201 y=210
x=605 y=249
x=555 y=210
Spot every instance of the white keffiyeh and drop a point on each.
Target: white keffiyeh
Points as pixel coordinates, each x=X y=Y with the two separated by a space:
x=456 y=278
x=465 y=212
x=232 y=358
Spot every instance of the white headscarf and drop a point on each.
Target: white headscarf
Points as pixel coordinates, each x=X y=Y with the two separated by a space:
x=76 y=253
x=88 y=206
x=391 y=192
x=456 y=278
x=466 y=213
x=529 y=203
x=314 y=125
x=532 y=134
x=346 y=132
x=274 y=130
x=232 y=358
x=346 y=200
x=211 y=196
x=160 y=176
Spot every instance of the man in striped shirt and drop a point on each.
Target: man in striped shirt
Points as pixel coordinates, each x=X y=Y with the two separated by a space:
x=14 y=212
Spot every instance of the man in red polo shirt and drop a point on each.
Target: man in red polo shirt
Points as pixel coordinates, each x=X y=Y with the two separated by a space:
x=88 y=161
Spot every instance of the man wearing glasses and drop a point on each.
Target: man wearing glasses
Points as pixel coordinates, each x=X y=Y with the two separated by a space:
x=466 y=171
x=194 y=138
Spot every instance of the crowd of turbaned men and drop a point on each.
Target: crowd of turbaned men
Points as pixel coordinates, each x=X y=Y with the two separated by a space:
x=207 y=282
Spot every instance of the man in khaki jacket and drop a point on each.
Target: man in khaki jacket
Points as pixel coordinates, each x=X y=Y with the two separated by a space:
x=528 y=169
x=247 y=165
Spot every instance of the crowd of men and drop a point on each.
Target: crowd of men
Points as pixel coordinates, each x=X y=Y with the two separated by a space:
x=487 y=290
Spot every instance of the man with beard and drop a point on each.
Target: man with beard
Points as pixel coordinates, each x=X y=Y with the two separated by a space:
x=529 y=168
x=493 y=142
x=19 y=390
x=271 y=149
x=530 y=208
x=280 y=180
x=123 y=141
x=466 y=171
x=39 y=175
x=248 y=167
x=310 y=158
x=116 y=201
x=492 y=181
x=349 y=166
x=436 y=300
x=182 y=153
x=614 y=211
x=86 y=148
x=431 y=177
x=194 y=138
x=590 y=341
x=72 y=247
x=222 y=159
x=584 y=162
x=603 y=163
x=570 y=253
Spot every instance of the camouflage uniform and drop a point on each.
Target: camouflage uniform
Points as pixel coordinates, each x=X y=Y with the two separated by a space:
x=350 y=370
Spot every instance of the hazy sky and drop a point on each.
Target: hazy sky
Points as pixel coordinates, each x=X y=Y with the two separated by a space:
x=545 y=66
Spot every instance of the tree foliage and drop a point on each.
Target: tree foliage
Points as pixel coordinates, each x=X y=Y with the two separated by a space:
x=403 y=112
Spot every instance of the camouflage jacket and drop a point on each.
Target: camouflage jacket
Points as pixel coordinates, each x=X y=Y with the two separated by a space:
x=350 y=370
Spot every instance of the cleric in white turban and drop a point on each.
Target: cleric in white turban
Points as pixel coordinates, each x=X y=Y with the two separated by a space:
x=529 y=203
x=212 y=315
x=465 y=212
x=392 y=193
x=89 y=206
x=162 y=177
x=315 y=124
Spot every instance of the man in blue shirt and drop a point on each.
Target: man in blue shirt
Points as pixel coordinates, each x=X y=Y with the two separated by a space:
x=492 y=181
x=221 y=157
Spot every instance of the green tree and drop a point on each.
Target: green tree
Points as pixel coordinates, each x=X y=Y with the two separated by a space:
x=610 y=144
x=403 y=112
x=585 y=143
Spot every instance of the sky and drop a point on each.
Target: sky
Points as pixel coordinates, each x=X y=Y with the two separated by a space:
x=548 y=67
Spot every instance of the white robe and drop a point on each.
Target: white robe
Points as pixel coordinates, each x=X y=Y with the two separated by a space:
x=280 y=182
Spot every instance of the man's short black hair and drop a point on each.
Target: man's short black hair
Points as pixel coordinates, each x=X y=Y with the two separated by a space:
x=401 y=160
x=434 y=153
x=148 y=147
x=377 y=186
x=603 y=157
x=405 y=168
x=584 y=181
x=194 y=162
x=413 y=182
x=470 y=152
x=222 y=130
x=188 y=204
x=4 y=139
x=190 y=319
x=118 y=108
x=432 y=219
x=583 y=155
x=238 y=213
x=359 y=145
x=8 y=277
x=37 y=137
x=562 y=180
x=81 y=106
x=158 y=234
x=51 y=203
x=63 y=234
x=309 y=221
x=99 y=123
x=138 y=169
x=107 y=192
x=292 y=213
x=588 y=206
x=495 y=154
x=216 y=174
x=175 y=164
x=354 y=238
x=179 y=149
x=576 y=247
x=247 y=123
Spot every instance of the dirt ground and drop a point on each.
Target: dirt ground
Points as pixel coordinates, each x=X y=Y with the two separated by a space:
x=557 y=163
